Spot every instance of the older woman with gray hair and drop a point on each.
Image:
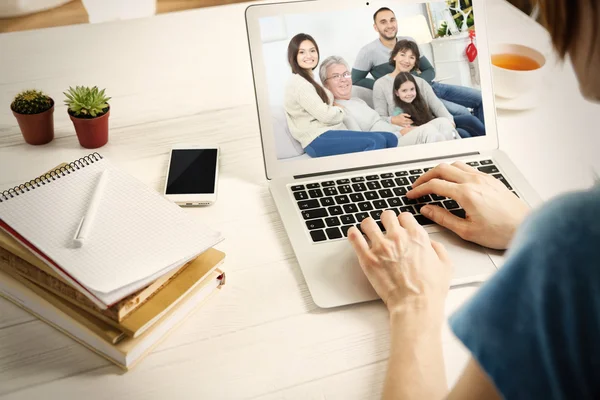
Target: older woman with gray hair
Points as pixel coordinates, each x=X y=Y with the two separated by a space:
x=312 y=117
x=335 y=75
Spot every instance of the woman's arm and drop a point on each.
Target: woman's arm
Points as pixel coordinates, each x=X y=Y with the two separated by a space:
x=433 y=102
x=310 y=101
x=379 y=100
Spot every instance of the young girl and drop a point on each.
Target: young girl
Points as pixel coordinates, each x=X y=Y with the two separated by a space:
x=408 y=101
x=312 y=117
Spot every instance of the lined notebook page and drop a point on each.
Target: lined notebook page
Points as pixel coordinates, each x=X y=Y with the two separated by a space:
x=137 y=234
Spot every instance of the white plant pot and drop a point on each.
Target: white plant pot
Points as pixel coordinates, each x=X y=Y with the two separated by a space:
x=16 y=8
x=112 y=10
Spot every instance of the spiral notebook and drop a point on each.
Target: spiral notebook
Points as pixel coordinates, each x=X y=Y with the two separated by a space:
x=136 y=237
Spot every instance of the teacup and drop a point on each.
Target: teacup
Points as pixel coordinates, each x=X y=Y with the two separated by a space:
x=516 y=69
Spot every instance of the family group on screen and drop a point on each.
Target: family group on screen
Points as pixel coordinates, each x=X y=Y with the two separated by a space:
x=409 y=107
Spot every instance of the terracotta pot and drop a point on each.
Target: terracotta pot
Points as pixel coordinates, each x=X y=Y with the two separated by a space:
x=37 y=128
x=92 y=132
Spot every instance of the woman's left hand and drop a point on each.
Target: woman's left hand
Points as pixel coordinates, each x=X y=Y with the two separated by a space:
x=404 y=266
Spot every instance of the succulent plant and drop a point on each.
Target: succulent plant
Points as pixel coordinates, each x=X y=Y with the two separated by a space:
x=86 y=102
x=31 y=102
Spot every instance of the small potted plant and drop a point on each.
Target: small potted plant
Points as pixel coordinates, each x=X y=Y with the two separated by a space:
x=89 y=110
x=34 y=112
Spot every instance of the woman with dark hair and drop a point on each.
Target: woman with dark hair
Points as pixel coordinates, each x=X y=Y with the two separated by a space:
x=404 y=58
x=312 y=117
x=532 y=329
x=408 y=100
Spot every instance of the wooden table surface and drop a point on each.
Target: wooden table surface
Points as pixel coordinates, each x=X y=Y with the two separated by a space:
x=262 y=336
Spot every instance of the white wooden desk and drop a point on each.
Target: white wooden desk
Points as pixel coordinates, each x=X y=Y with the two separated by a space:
x=185 y=77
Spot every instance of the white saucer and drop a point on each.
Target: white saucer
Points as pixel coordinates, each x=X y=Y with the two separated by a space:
x=525 y=101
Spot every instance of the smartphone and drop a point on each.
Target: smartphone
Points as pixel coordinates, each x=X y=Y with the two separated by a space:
x=192 y=175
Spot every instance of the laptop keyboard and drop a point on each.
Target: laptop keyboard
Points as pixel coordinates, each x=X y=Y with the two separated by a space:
x=330 y=208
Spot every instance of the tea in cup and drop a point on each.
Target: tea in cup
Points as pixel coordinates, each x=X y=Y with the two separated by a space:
x=516 y=69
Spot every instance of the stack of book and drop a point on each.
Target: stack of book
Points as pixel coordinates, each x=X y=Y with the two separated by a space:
x=123 y=331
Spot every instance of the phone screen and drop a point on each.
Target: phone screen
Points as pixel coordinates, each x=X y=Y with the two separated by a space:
x=192 y=171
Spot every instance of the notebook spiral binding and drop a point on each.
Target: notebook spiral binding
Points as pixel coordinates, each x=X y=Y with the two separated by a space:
x=50 y=176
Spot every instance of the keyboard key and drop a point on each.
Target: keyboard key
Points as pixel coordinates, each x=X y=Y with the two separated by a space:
x=408 y=201
x=409 y=209
x=357 y=197
x=424 y=199
x=437 y=204
x=490 y=169
x=330 y=191
x=388 y=183
x=385 y=193
x=342 y=199
x=387 y=176
x=315 y=224
x=473 y=163
x=308 y=204
x=427 y=169
x=333 y=233
x=342 y=181
x=402 y=182
x=350 y=208
x=348 y=219
x=418 y=207
x=422 y=220
x=380 y=224
x=300 y=195
x=400 y=191
x=345 y=189
x=503 y=180
x=328 y=183
x=414 y=178
x=459 y=213
x=327 y=201
x=416 y=171
x=437 y=198
x=451 y=204
x=297 y=187
x=316 y=193
x=332 y=221
x=360 y=216
x=316 y=213
x=486 y=162
x=372 y=177
x=335 y=210
x=318 y=236
x=359 y=187
x=358 y=179
x=313 y=185
x=402 y=173
x=376 y=215
x=345 y=229
x=371 y=196
x=359 y=228
x=395 y=202
x=380 y=204
x=366 y=206
x=373 y=185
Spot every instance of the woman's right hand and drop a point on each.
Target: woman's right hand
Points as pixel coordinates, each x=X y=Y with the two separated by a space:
x=493 y=213
x=402 y=120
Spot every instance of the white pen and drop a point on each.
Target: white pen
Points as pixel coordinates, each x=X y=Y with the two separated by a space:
x=88 y=219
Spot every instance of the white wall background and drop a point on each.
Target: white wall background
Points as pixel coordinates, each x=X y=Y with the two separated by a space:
x=340 y=33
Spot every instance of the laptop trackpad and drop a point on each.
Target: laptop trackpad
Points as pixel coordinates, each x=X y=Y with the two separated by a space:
x=471 y=261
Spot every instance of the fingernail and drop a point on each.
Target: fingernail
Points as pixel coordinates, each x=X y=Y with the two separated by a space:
x=426 y=210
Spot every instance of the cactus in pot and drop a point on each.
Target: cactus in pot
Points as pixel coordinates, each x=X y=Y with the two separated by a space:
x=34 y=112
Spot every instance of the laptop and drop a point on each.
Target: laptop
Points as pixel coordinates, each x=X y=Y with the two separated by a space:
x=320 y=198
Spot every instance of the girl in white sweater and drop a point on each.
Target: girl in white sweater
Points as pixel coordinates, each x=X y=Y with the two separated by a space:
x=313 y=118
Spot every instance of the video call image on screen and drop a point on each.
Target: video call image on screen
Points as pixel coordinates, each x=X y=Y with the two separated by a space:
x=407 y=78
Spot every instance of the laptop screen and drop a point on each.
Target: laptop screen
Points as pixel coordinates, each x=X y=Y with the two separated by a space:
x=359 y=79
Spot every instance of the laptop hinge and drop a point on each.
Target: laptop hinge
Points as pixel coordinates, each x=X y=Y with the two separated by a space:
x=339 y=171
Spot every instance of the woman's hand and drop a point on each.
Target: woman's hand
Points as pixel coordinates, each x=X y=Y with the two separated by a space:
x=404 y=266
x=406 y=130
x=402 y=120
x=493 y=213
